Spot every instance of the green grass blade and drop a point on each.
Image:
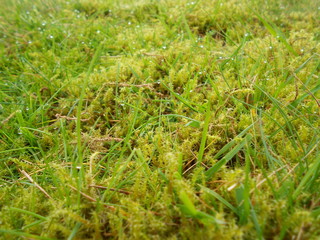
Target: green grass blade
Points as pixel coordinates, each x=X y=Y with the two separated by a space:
x=211 y=171
x=204 y=133
x=28 y=212
x=276 y=33
x=221 y=199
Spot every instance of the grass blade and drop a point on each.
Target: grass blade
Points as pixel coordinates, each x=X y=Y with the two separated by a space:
x=211 y=171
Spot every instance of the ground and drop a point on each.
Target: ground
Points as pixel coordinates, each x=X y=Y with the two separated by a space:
x=159 y=119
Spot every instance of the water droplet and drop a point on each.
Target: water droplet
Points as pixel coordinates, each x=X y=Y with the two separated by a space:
x=201 y=46
x=43 y=23
x=78 y=167
x=82 y=42
x=191 y=91
x=200 y=73
x=27 y=12
x=129 y=23
x=302 y=50
x=29 y=42
x=270 y=47
x=50 y=36
x=98 y=31
x=164 y=47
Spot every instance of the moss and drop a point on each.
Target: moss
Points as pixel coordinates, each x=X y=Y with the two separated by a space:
x=171 y=77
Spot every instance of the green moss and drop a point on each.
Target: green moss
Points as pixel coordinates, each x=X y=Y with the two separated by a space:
x=161 y=64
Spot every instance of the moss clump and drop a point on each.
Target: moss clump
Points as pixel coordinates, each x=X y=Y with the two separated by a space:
x=159 y=119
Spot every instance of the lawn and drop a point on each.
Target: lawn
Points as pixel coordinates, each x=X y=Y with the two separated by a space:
x=159 y=119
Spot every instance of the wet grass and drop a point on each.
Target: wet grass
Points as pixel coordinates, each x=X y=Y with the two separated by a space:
x=159 y=119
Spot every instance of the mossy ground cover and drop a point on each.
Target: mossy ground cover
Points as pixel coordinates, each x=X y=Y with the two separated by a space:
x=159 y=119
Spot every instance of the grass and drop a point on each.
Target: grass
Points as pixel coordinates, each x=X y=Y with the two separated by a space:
x=159 y=119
